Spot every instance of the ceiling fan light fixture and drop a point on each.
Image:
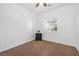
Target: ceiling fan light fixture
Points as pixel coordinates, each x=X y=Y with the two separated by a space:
x=37 y=4
x=43 y=4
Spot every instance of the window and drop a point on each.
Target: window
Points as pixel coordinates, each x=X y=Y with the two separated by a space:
x=50 y=24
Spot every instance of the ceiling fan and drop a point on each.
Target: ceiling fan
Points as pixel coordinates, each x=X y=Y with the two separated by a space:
x=44 y=4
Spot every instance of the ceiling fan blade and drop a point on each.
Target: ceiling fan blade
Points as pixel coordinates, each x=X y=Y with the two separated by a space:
x=37 y=4
x=45 y=4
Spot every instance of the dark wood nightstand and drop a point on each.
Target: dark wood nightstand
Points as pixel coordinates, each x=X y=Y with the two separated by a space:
x=38 y=36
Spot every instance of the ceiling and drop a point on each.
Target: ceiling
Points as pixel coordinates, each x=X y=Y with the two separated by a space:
x=41 y=9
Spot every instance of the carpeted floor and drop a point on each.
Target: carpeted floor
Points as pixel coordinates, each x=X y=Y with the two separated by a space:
x=41 y=48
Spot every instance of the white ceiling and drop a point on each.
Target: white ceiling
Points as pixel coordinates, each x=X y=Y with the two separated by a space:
x=41 y=8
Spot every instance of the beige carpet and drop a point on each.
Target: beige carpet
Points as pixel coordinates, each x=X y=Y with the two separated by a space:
x=41 y=48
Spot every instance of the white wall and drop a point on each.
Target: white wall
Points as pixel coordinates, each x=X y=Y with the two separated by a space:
x=65 y=23
x=77 y=28
x=16 y=25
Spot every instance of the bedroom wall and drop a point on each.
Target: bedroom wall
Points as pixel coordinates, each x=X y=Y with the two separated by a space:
x=77 y=28
x=16 y=25
x=65 y=24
